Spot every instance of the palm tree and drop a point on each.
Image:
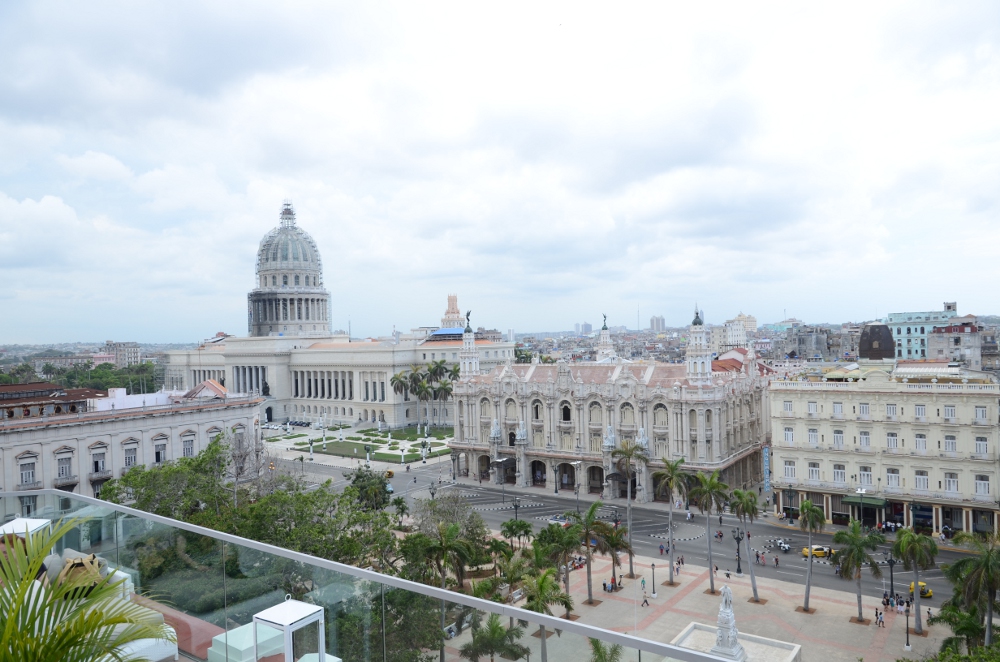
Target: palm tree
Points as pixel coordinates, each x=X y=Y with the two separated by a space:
x=966 y=625
x=508 y=530
x=626 y=454
x=616 y=541
x=449 y=549
x=813 y=519
x=917 y=552
x=436 y=370
x=980 y=573
x=537 y=556
x=454 y=373
x=494 y=639
x=601 y=652
x=442 y=392
x=855 y=553
x=400 y=383
x=563 y=544
x=744 y=504
x=541 y=592
x=670 y=480
x=594 y=533
x=423 y=393
x=59 y=622
x=709 y=493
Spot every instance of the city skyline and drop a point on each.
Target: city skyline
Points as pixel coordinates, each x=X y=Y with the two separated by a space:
x=539 y=162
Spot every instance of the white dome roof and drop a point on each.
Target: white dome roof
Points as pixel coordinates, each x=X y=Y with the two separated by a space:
x=288 y=248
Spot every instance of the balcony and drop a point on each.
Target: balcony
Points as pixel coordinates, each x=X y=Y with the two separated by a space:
x=951 y=420
x=864 y=417
x=980 y=421
x=980 y=456
x=201 y=628
x=837 y=447
x=565 y=425
x=948 y=454
x=894 y=451
x=812 y=415
x=892 y=490
x=863 y=449
x=892 y=418
x=837 y=416
x=920 y=419
x=104 y=474
x=538 y=424
x=65 y=481
x=983 y=498
x=24 y=487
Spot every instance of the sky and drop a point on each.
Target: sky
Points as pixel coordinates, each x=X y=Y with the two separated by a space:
x=547 y=162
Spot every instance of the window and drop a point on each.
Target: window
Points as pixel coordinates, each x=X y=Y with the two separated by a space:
x=891 y=440
x=838 y=408
x=814 y=471
x=865 y=476
x=381 y=391
x=566 y=414
x=536 y=412
x=921 y=481
x=789 y=468
x=27 y=473
x=366 y=391
x=866 y=439
x=811 y=408
x=982 y=448
x=921 y=442
x=296 y=280
x=839 y=473
x=864 y=409
x=890 y=410
x=284 y=280
x=65 y=467
x=950 y=445
x=98 y=460
x=892 y=477
x=160 y=452
x=789 y=436
x=130 y=457
x=982 y=485
x=920 y=411
x=980 y=413
x=188 y=447
x=949 y=411
x=950 y=482
x=274 y=281
x=838 y=438
x=787 y=406
x=28 y=505
x=813 y=437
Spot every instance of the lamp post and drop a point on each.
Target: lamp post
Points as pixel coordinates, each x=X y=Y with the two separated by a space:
x=652 y=567
x=891 y=561
x=517 y=504
x=789 y=493
x=861 y=495
x=433 y=491
x=576 y=481
x=738 y=537
x=907 y=647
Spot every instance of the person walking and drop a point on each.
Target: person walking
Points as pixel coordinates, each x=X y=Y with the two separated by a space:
x=757 y=558
x=645 y=599
x=644 y=584
x=727 y=573
x=682 y=560
x=716 y=571
x=661 y=549
x=605 y=585
x=775 y=560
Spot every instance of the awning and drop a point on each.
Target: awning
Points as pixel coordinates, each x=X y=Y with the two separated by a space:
x=873 y=501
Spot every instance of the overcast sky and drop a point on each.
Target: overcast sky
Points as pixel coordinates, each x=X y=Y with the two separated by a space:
x=547 y=163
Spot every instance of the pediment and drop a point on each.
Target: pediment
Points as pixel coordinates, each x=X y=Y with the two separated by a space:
x=63 y=449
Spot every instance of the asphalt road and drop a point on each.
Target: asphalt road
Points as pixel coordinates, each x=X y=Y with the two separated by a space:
x=649 y=529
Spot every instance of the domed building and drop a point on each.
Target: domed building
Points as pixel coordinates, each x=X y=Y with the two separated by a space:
x=876 y=342
x=289 y=299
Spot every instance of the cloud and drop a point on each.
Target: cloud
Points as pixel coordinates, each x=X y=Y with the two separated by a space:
x=545 y=162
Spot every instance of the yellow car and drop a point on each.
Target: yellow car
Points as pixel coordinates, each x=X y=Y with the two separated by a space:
x=925 y=592
x=819 y=551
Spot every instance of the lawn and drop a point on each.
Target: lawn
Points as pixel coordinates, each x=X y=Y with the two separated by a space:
x=296 y=436
x=347 y=450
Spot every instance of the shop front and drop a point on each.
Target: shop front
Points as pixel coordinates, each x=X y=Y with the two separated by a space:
x=868 y=509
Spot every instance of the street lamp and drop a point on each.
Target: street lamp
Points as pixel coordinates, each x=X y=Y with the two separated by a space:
x=738 y=537
x=907 y=647
x=433 y=491
x=789 y=493
x=861 y=495
x=576 y=481
x=517 y=504
x=652 y=566
x=891 y=561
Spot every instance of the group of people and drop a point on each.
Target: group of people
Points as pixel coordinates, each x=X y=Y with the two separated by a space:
x=897 y=602
x=761 y=559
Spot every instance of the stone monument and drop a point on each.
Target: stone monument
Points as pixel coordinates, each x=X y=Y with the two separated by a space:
x=727 y=644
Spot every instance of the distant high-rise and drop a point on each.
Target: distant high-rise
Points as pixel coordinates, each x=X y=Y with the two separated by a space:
x=657 y=324
x=586 y=329
x=576 y=328
x=453 y=318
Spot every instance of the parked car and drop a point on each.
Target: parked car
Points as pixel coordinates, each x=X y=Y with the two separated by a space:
x=925 y=591
x=819 y=551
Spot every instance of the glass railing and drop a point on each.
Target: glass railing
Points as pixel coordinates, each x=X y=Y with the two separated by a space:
x=208 y=586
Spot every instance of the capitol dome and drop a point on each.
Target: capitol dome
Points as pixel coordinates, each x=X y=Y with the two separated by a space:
x=289 y=298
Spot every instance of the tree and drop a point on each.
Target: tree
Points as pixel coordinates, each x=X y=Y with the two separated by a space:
x=48 y=370
x=442 y=392
x=624 y=456
x=710 y=493
x=59 y=622
x=494 y=639
x=979 y=574
x=424 y=392
x=744 y=505
x=617 y=542
x=540 y=593
x=400 y=383
x=855 y=553
x=399 y=503
x=593 y=533
x=24 y=373
x=563 y=543
x=966 y=626
x=516 y=529
x=671 y=480
x=917 y=552
x=447 y=549
x=601 y=652
x=813 y=519
x=372 y=486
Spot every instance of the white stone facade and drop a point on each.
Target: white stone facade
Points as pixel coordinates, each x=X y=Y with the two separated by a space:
x=79 y=452
x=930 y=444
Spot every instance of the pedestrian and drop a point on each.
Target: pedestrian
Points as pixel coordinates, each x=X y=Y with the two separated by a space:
x=881 y=619
x=682 y=561
x=720 y=520
x=605 y=585
x=644 y=584
x=876 y=616
x=899 y=608
x=775 y=560
x=661 y=550
x=645 y=599
x=757 y=558
x=727 y=573
x=928 y=613
x=716 y=571
x=892 y=602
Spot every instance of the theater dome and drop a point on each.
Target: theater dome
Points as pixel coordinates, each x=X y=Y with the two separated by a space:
x=876 y=342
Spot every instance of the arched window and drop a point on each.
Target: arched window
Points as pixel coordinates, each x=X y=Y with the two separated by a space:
x=567 y=413
x=595 y=413
x=284 y=280
x=274 y=280
x=296 y=280
x=660 y=416
x=484 y=407
x=536 y=411
x=628 y=414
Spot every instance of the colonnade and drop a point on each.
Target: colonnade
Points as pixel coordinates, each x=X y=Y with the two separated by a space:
x=284 y=309
x=323 y=384
x=247 y=378
x=198 y=376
